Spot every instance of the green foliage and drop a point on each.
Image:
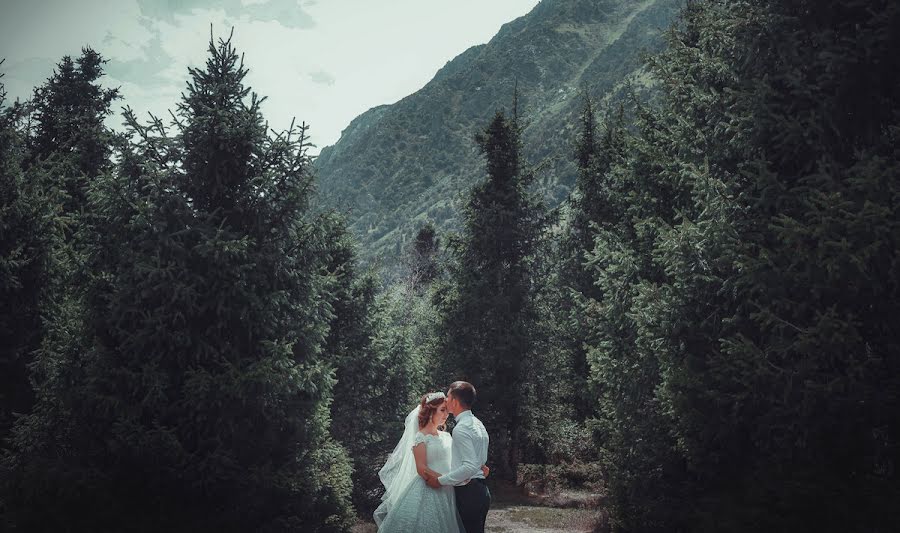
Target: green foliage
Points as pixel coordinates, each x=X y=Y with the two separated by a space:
x=68 y=135
x=554 y=393
x=488 y=312
x=560 y=398
x=744 y=348
x=593 y=201
x=358 y=388
x=375 y=382
x=199 y=396
x=422 y=264
x=384 y=343
x=554 y=478
x=798 y=350
x=646 y=477
x=407 y=336
x=592 y=205
x=23 y=268
x=54 y=146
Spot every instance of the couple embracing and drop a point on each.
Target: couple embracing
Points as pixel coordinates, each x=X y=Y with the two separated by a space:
x=435 y=482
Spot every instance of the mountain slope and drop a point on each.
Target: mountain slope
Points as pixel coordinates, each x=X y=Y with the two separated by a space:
x=396 y=166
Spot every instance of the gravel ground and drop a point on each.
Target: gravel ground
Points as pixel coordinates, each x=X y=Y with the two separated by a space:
x=530 y=519
x=511 y=512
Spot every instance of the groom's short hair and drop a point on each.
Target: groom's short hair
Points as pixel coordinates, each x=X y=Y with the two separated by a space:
x=464 y=392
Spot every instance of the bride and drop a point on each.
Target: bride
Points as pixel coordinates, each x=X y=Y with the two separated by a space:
x=424 y=451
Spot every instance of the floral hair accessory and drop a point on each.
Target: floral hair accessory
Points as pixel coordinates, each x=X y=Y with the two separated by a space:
x=434 y=396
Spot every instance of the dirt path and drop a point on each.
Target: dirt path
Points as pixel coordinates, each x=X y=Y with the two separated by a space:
x=533 y=519
x=513 y=513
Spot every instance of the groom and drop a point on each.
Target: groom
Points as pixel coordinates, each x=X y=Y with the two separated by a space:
x=469 y=452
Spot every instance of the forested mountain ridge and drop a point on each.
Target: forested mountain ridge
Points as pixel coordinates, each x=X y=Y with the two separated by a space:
x=398 y=165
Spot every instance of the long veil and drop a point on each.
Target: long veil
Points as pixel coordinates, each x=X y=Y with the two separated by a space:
x=400 y=468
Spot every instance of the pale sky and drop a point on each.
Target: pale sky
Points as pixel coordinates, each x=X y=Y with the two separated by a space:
x=322 y=61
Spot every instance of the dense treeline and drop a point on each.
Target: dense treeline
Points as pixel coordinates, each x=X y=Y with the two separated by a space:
x=196 y=316
x=708 y=323
x=716 y=304
x=747 y=276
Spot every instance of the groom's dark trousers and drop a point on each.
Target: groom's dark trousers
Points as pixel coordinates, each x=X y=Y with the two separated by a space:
x=473 y=501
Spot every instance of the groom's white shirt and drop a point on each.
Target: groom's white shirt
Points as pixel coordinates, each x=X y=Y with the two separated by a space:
x=468 y=452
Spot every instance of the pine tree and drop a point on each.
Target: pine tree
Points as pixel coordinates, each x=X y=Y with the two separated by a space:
x=373 y=385
x=554 y=394
x=790 y=353
x=201 y=399
x=59 y=144
x=68 y=134
x=649 y=487
x=756 y=280
x=593 y=201
x=488 y=309
x=559 y=399
x=23 y=268
x=421 y=263
x=594 y=204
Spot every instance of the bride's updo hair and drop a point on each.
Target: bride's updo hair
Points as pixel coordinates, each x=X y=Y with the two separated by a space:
x=427 y=407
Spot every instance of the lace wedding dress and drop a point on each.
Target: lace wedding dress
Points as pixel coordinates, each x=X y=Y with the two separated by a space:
x=409 y=504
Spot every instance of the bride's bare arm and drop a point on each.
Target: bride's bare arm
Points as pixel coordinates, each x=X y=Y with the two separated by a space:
x=422 y=463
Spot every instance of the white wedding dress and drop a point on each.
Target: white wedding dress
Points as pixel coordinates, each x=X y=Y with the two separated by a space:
x=409 y=505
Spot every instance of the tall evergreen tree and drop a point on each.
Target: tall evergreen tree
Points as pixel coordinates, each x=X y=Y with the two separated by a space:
x=648 y=484
x=560 y=385
x=374 y=383
x=757 y=275
x=422 y=261
x=488 y=310
x=23 y=267
x=779 y=269
x=60 y=145
x=592 y=205
x=554 y=393
x=68 y=132
x=201 y=399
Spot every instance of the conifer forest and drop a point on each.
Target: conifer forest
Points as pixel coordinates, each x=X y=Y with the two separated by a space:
x=677 y=288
